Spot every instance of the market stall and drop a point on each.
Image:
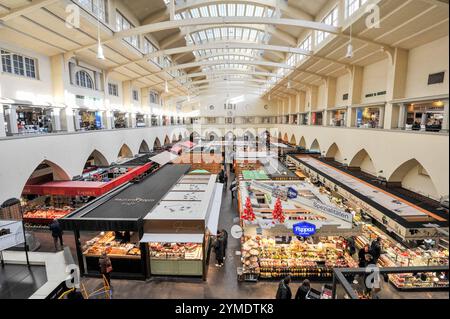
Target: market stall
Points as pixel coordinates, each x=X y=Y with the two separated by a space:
x=292 y=228
x=179 y=229
x=117 y=218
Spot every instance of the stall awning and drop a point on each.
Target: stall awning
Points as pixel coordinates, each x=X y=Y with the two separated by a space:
x=172 y=238
x=213 y=219
x=163 y=158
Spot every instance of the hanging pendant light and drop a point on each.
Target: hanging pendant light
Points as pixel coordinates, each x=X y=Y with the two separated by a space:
x=349 y=54
x=289 y=86
x=166 y=87
x=100 y=53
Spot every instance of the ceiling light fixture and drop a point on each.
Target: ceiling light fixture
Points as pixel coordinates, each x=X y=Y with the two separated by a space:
x=166 y=87
x=100 y=53
x=349 y=54
x=289 y=85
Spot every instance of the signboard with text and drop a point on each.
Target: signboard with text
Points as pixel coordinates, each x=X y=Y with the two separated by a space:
x=11 y=234
x=304 y=229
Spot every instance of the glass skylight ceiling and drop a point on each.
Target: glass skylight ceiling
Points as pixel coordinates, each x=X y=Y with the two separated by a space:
x=247 y=35
x=226 y=10
x=222 y=33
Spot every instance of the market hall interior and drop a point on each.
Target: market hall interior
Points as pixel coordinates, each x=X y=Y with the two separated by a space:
x=100 y=100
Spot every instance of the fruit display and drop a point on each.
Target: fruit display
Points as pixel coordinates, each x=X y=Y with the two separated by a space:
x=397 y=255
x=46 y=214
x=107 y=242
x=298 y=259
x=176 y=251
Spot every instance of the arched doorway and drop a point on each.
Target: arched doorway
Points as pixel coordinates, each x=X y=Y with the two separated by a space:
x=411 y=175
x=124 y=153
x=315 y=147
x=362 y=161
x=96 y=159
x=157 y=144
x=144 y=149
x=334 y=153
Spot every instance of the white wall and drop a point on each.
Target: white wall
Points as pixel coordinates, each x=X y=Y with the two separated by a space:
x=424 y=60
x=38 y=91
x=375 y=80
x=420 y=183
x=247 y=105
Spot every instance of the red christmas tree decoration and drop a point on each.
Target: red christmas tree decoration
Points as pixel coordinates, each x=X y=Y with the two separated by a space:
x=248 y=211
x=277 y=213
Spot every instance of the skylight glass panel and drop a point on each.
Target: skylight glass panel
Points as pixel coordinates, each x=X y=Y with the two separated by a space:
x=253 y=35
x=217 y=34
x=245 y=34
x=210 y=34
x=238 y=33
x=195 y=13
x=231 y=33
x=270 y=12
x=204 y=12
x=213 y=11
x=202 y=35
x=249 y=12
x=240 y=10
x=231 y=9
x=259 y=11
x=224 y=32
x=222 y=10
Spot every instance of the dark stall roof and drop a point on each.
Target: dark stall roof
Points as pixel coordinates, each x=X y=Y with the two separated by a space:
x=124 y=208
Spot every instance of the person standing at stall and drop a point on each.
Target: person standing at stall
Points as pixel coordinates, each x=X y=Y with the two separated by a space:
x=105 y=267
x=375 y=250
x=303 y=290
x=57 y=233
x=224 y=235
x=284 y=291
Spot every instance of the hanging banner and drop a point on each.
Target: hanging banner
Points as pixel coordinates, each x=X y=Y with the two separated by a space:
x=348 y=217
x=11 y=234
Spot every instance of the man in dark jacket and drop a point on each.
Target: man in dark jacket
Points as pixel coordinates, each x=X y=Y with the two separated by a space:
x=224 y=235
x=57 y=233
x=284 y=291
x=303 y=290
x=362 y=256
x=219 y=249
x=375 y=250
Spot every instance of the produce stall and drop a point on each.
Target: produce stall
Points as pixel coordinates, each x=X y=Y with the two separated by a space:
x=118 y=218
x=397 y=255
x=178 y=231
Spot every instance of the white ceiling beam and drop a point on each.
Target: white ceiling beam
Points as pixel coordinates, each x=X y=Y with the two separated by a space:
x=26 y=9
x=210 y=63
x=168 y=25
x=228 y=80
x=230 y=72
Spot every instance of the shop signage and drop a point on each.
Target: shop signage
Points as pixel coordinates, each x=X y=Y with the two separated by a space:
x=348 y=217
x=11 y=234
x=292 y=193
x=304 y=229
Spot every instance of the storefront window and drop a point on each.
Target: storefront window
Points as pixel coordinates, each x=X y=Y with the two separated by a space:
x=368 y=117
x=90 y=121
x=120 y=120
x=338 y=118
x=316 y=118
x=140 y=120
x=428 y=117
x=33 y=120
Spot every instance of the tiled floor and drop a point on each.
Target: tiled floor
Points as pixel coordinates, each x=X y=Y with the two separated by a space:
x=20 y=282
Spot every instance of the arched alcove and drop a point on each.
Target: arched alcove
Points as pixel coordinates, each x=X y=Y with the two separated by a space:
x=363 y=161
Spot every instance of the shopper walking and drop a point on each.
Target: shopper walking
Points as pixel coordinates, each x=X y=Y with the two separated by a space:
x=233 y=189
x=375 y=250
x=105 y=267
x=219 y=249
x=222 y=175
x=224 y=234
x=57 y=233
x=284 y=291
x=303 y=290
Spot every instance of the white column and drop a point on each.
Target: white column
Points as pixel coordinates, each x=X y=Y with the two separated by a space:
x=445 y=119
x=67 y=119
x=325 y=118
x=381 y=118
x=11 y=119
x=77 y=119
x=56 y=119
x=107 y=120
x=402 y=116
x=2 y=122
x=423 y=122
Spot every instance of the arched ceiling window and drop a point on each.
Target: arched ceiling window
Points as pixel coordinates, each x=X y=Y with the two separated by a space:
x=226 y=10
